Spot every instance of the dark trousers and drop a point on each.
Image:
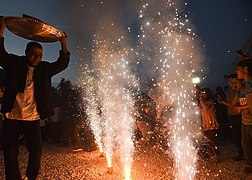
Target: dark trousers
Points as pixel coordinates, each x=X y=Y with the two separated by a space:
x=11 y=133
x=236 y=123
x=247 y=143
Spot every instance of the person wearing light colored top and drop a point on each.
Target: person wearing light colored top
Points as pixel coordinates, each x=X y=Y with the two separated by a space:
x=244 y=71
x=27 y=99
x=210 y=123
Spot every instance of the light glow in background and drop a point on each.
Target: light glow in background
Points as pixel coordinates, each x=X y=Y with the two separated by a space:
x=169 y=52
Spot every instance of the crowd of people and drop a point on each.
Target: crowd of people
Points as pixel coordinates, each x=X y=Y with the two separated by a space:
x=226 y=115
x=68 y=127
x=33 y=112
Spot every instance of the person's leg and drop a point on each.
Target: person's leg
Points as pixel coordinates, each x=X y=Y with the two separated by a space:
x=33 y=138
x=211 y=135
x=250 y=145
x=11 y=131
x=236 y=132
x=90 y=144
x=247 y=148
x=77 y=138
x=66 y=126
x=55 y=133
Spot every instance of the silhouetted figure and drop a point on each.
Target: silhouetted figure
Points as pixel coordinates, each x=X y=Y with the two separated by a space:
x=222 y=116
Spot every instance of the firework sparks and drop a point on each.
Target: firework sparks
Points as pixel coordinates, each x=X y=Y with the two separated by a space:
x=173 y=52
x=93 y=112
x=168 y=48
x=113 y=85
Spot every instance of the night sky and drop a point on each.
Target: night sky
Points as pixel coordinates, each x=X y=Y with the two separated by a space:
x=222 y=27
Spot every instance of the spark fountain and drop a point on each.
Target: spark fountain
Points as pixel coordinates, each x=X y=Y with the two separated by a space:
x=168 y=41
x=113 y=84
x=93 y=112
x=168 y=48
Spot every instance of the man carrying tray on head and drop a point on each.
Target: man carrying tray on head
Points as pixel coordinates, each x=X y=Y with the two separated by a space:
x=27 y=99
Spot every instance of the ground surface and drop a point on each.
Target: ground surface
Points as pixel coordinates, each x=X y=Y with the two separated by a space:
x=59 y=163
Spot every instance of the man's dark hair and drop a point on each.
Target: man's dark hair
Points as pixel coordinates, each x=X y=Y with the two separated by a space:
x=232 y=76
x=246 y=63
x=32 y=44
x=240 y=52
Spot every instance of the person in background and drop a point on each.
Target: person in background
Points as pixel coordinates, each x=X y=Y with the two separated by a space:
x=77 y=117
x=222 y=115
x=146 y=120
x=244 y=71
x=210 y=124
x=53 y=128
x=82 y=135
x=155 y=92
x=27 y=99
x=232 y=101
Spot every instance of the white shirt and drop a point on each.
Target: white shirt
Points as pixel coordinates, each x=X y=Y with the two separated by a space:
x=25 y=107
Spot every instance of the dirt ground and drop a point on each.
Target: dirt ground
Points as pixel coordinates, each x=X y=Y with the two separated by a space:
x=59 y=163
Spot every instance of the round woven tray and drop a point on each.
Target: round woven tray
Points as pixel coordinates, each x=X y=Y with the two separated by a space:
x=32 y=28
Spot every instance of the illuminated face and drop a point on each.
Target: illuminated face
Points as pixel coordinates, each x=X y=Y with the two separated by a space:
x=231 y=83
x=34 y=56
x=238 y=84
x=241 y=72
x=203 y=93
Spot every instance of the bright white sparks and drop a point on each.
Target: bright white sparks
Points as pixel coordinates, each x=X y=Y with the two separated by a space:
x=167 y=52
x=171 y=34
x=110 y=105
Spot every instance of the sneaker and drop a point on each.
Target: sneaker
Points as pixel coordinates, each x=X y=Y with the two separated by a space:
x=77 y=149
x=248 y=169
x=239 y=157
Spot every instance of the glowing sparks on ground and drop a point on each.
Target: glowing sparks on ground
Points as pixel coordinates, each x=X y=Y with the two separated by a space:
x=168 y=49
x=112 y=85
x=127 y=173
x=93 y=112
x=109 y=169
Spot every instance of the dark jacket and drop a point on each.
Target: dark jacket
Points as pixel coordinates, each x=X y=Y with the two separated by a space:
x=16 y=68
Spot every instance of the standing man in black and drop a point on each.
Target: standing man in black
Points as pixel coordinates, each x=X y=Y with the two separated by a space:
x=27 y=99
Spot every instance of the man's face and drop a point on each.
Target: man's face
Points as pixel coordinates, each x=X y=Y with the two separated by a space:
x=238 y=84
x=203 y=93
x=34 y=56
x=231 y=83
x=241 y=72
